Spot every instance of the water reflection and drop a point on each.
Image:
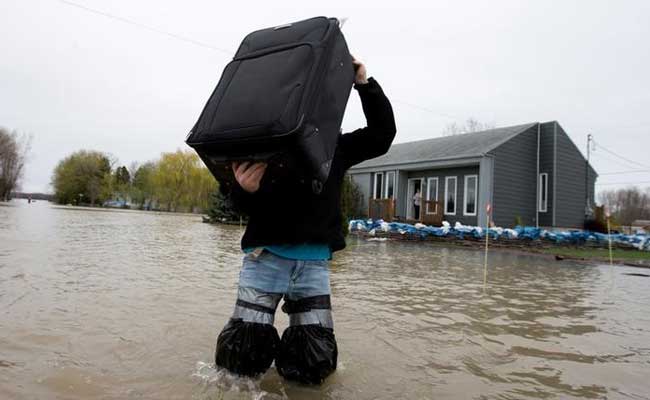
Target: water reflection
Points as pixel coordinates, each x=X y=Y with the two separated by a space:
x=100 y=304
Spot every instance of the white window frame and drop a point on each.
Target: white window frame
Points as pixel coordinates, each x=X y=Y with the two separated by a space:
x=542 y=206
x=429 y=186
x=467 y=178
x=374 y=186
x=385 y=180
x=447 y=179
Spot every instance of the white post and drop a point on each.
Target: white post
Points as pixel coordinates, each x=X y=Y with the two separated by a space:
x=487 y=236
x=609 y=237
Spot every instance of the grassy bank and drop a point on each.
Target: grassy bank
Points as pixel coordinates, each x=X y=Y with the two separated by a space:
x=598 y=254
x=626 y=256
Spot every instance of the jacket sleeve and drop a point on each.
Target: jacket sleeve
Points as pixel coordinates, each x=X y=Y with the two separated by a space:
x=375 y=139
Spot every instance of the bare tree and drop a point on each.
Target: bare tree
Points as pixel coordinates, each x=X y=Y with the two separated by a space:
x=627 y=205
x=469 y=126
x=13 y=155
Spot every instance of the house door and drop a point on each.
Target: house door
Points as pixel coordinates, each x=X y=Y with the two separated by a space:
x=414 y=184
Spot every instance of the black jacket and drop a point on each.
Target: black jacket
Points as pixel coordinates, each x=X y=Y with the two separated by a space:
x=286 y=211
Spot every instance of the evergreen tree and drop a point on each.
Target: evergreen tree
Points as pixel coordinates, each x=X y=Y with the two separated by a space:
x=222 y=209
x=122 y=176
x=351 y=203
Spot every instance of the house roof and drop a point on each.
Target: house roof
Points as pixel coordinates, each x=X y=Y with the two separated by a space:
x=447 y=147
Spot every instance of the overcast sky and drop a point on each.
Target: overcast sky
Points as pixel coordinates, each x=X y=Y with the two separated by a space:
x=78 y=80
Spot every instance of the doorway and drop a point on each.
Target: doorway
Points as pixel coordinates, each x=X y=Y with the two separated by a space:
x=414 y=184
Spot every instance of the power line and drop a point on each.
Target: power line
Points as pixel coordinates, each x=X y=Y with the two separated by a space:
x=211 y=47
x=618 y=161
x=634 y=171
x=147 y=27
x=622 y=164
x=620 y=156
x=426 y=109
x=623 y=183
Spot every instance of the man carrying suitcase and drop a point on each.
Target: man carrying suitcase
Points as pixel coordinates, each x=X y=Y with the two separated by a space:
x=289 y=239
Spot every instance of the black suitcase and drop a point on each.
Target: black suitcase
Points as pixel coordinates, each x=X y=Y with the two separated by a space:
x=281 y=100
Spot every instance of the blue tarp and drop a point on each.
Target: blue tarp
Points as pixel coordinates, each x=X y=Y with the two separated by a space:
x=459 y=231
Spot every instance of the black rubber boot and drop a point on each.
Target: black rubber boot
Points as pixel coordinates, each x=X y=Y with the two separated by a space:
x=246 y=348
x=307 y=354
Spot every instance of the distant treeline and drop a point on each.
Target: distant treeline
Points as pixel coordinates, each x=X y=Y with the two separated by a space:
x=176 y=181
x=33 y=196
x=627 y=205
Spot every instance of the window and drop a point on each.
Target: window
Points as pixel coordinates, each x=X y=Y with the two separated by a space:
x=390 y=185
x=450 y=195
x=432 y=195
x=543 y=192
x=471 y=187
x=379 y=180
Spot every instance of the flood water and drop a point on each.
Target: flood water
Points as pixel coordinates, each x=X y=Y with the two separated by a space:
x=127 y=305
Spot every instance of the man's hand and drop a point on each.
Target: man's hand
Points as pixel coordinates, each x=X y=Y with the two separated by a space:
x=249 y=175
x=360 y=72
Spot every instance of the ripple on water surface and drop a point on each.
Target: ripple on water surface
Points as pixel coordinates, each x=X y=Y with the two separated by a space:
x=125 y=304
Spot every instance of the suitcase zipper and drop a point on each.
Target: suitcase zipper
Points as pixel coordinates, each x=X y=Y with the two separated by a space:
x=274 y=49
x=252 y=139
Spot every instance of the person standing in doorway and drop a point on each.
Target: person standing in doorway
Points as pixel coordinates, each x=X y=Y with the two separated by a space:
x=417 y=200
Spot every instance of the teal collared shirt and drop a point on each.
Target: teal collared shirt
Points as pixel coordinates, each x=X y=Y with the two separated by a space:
x=303 y=251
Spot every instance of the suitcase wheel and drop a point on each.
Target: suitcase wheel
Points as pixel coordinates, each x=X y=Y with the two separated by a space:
x=316 y=186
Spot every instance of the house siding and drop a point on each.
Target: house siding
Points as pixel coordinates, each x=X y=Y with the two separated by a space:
x=515 y=180
x=571 y=190
x=507 y=179
x=364 y=182
x=486 y=183
x=402 y=188
x=441 y=174
x=546 y=165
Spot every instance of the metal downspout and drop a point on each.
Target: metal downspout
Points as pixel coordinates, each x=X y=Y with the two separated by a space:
x=554 y=171
x=537 y=178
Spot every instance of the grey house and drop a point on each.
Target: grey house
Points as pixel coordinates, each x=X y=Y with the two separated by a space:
x=532 y=174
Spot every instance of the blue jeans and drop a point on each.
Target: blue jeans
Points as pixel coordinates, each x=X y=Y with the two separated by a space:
x=249 y=343
x=295 y=279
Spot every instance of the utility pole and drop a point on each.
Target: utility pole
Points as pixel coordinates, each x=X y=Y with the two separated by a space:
x=590 y=139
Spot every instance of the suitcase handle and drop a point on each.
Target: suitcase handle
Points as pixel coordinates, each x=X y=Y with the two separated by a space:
x=281 y=47
x=277 y=28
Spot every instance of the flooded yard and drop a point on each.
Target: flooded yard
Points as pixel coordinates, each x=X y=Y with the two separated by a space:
x=127 y=305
